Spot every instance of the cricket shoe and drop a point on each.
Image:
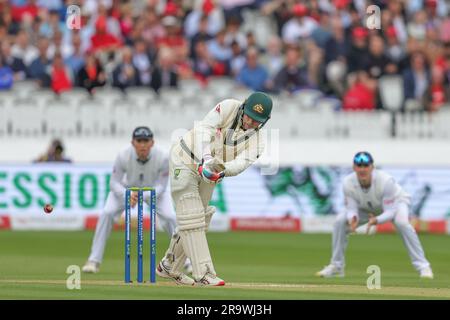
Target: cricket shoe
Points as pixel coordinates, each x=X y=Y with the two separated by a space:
x=426 y=273
x=210 y=279
x=91 y=267
x=330 y=271
x=179 y=278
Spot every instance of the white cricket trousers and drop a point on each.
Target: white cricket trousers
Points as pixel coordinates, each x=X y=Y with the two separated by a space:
x=114 y=207
x=401 y=222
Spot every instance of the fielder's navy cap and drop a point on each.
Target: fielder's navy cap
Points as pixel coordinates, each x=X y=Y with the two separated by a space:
x=363 y=158
x=142 y=133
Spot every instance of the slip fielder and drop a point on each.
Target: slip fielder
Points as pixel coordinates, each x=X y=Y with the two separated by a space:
x=374 y=197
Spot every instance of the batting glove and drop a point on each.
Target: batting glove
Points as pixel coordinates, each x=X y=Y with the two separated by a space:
x=209 y=175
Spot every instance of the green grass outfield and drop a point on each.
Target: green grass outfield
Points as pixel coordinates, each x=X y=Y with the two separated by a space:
x=254 y=265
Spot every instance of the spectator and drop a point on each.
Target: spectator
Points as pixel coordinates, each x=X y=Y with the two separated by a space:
x=417 y=27
x=55 y=23
x=165 y=73
x=394 y=50
x=218 y=48
x=153 y=29
x=6 y=75
x=3 y=30
x=16 y=64
x=201 y=35
x=294 y=75
x=174 y=40
x=10 y=26
x=438 y=93
x=28 y=10
x=357 y=57
x=233 y=33
x=55 y=153
x=437 y=8
x=361 y=93
x=136 y=32
x=273 y=58
x=253 y=75
x=112 y=24
x=75 y=57
x=300 y=26
x=86 y=32
x=398 y=19
x=51 y=4
x=315 y=11
x=41 y=26
x=173 y=37
x=251 y=42
x=60 y=75
x=110 y=65
x=38 y=69
x=212 y=16
x=22 y=49
x=174 y=8
x=56 y=45
x=204 y=64
x=126 y=20
x=117 y=8
x=378 y=63
x=238 y=59
x=91 y=75
x=233 y=8
x=102 y=40
x=143 y=60
x=337 y=47
x=345 y=14
x=443 y=61
x=314 y=62
x=416 y=80
x=125 y=75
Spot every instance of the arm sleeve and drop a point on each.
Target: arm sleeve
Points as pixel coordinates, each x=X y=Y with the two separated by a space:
x=351 y=206
x=205 y=130
x=115 y=183
x=389 y=202
x=246 y=158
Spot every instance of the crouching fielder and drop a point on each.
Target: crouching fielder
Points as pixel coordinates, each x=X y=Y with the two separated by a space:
x=139 y=165
x=225 y=143
x=374 y=197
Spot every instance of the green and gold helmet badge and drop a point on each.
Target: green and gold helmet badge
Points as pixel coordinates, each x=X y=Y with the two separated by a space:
x=258 y=108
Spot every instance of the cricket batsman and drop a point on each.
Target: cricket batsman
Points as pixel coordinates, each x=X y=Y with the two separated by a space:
x=139 y=165
x=225 y=143
x=373 y=196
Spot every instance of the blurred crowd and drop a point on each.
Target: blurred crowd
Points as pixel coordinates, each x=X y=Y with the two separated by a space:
x=319 y=44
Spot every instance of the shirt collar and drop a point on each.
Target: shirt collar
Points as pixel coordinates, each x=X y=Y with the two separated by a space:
x=143 y=161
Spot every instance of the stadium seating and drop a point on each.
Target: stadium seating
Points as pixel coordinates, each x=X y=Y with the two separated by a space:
x=307 y=114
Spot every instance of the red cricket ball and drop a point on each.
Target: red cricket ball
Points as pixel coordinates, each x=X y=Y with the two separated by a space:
x=48 y=208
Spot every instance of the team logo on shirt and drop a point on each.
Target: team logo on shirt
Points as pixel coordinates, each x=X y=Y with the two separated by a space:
x=258 y=108
x=176 y=173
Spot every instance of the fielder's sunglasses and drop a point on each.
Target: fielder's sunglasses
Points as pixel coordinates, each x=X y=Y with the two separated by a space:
x=363 y=159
